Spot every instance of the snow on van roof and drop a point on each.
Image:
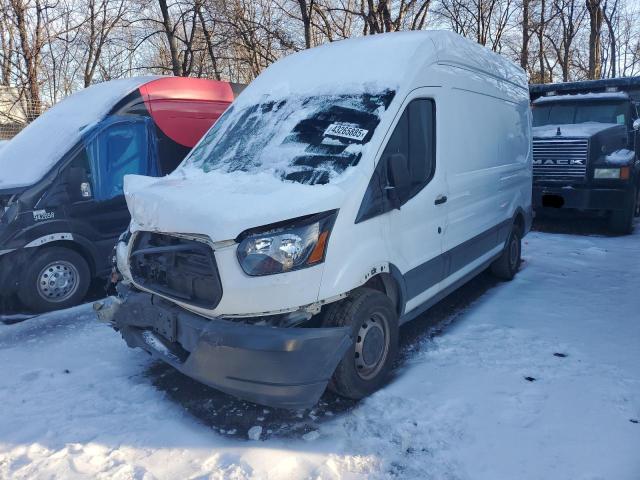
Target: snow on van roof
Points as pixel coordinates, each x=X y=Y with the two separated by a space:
x=37 y=148
x=582 y=96
x=375 y=62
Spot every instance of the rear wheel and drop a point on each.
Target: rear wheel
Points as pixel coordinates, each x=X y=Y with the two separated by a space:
x=57 y=278
x=369 y=360
x=508 y=264
x=621 y=221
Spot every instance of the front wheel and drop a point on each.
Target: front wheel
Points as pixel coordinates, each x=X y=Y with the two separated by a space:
x=369 y=360
x=57 y=278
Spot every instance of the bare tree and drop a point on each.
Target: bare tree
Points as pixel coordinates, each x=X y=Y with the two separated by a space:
x=609 y=13
x=594 y=7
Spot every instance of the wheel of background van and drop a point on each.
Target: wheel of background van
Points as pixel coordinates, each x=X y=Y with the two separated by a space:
x=369 y=360
x=57 y=278
x=509 y=262
x=621 y=221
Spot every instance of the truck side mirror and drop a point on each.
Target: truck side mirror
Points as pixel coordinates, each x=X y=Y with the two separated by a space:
x=399 y=178
x=636 y=124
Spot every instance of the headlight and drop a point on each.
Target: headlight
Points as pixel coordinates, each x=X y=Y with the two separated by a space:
x=288 y=246
x=611 y=173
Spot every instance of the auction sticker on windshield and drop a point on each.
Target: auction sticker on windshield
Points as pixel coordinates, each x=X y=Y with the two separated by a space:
x=346 y=131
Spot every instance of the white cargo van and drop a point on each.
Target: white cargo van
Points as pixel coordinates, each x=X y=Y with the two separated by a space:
x=349 y=188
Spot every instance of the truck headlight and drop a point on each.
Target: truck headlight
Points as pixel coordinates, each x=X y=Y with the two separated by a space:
x=287 y=246
x=611 y=173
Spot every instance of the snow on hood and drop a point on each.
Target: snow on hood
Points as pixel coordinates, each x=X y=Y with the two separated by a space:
x=620 y=157
x=222 y=205
x=580 y=130
x=37 y=148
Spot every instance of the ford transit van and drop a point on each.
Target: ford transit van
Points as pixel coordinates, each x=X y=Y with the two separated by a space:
x=61 y=201
x=348 y=189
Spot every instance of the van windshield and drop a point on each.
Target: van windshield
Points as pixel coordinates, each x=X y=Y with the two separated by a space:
x=309 y=140
x=563 y=113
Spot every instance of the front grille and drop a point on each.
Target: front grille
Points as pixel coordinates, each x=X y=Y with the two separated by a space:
x=560 y=159
x=178 y=268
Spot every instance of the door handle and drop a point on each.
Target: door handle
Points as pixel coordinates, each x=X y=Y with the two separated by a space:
x=440 y=199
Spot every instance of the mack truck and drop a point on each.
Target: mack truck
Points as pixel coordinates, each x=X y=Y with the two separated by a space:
x=585 y=148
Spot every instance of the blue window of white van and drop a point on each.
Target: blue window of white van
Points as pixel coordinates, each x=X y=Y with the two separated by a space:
x=119 y=149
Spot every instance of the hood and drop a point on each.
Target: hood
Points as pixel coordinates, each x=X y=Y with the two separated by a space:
x=222 y=205
x=576 y=130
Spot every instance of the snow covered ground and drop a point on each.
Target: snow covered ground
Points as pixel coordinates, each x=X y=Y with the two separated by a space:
x=75 y=402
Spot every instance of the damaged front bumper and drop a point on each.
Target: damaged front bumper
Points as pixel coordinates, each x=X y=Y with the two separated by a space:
x=273 y=366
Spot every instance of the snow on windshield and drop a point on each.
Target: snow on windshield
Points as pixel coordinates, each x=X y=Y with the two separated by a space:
x=308 y=140
x=28 y=157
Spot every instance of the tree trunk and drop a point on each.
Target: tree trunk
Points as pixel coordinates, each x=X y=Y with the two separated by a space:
x=613 y=45
x=595 y=28
x=171 y=38
x=207 y=39
x=543 y=20
x=524 y=54
x=305 y=12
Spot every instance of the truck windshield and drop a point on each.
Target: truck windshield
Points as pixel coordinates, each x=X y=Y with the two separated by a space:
x=309 y=140
x=563 y=113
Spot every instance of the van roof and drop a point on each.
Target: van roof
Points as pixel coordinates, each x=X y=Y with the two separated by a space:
x=37 y=148
x=376 y=62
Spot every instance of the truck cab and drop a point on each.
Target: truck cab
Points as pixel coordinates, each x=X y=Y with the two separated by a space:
x=585 y=144
x=62 y=205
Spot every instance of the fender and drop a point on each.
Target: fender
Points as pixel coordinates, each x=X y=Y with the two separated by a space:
x=59 y=231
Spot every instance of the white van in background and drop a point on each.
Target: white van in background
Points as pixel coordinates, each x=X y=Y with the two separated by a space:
x=349 y=188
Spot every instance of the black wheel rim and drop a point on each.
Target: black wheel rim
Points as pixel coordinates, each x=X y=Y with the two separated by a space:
x=372 y=346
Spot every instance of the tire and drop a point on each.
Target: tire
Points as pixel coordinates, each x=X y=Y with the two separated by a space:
x=508 y=264
x=369 y=360
x=621 y=221
x=57 y=278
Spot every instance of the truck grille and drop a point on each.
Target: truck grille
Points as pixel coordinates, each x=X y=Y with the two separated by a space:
x=178 y=268
x=561 y=159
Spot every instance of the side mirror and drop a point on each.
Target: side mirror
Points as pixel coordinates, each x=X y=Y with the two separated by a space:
x=79 y=185
x=636 y=124
x=399 y=178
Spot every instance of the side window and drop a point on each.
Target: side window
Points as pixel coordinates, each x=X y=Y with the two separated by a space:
x=413 y=142
x=414 y=139
x=118 y=150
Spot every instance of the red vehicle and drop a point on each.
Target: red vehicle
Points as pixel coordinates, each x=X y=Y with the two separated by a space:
x=61 y=200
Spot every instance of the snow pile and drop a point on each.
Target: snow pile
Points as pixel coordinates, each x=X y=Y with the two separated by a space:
x=538 y=379
x=621 y=157
x=37 y=148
